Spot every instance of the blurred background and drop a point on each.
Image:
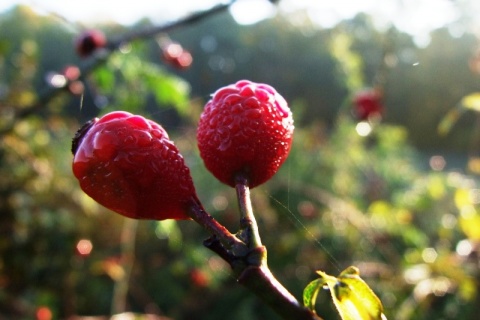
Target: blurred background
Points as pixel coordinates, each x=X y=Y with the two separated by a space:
x=383 y=172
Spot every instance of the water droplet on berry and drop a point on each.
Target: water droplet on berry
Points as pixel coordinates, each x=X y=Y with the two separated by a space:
x=227 y=120
x=104 y=146
x=137 y=157
x=262 y=94
x=249 y=131
x=232 y=99
x=253 y=113
x=129 y=140
x=237 y=109
x=213 y=121
x=282 y=106
x=251 y=102
x=114 y=116
x=234 y=126
x=139 y=121
x=219 y=94
x=242 y=83
x=246 y=91
x=143 y=138
x=225 y=145
x=157 y=133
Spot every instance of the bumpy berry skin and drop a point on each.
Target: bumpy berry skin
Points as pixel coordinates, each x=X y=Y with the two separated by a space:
x=128 y=164
x=368 y=104
x=89 y=41
x=245 y=129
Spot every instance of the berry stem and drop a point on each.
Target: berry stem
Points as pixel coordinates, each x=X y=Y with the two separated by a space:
x=248 y=224
x=254 y=273
x=228 y=240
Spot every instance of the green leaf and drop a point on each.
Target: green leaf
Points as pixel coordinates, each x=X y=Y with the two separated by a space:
x=352 y=297
x=167 y=89
x=130 y=80
x=104 y=79
x=310 y=293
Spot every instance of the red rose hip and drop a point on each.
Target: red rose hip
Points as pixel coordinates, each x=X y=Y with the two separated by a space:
x=246 y=129
x=368 y=104
x=89 y=41
x=175 y=55
x=128 y=164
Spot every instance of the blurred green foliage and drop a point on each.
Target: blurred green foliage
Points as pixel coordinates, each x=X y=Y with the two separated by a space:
x=409 y=223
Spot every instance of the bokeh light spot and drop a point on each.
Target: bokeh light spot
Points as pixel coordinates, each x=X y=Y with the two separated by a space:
x=464 y=247
x=437 y=163
x=429 y=255
x=84 y=247
x=363 y=128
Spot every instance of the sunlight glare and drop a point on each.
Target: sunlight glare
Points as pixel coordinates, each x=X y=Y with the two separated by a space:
x=246 y=12
x=363 y=128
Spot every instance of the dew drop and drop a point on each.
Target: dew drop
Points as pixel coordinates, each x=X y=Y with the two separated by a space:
x=252 y=102
x=139 y=121
x=246 y=91
x=157 y=133
x=232 y=99
x=103 y=145
x=225 y=145
x=143 y=138
x=253 y=113
x=262 y=94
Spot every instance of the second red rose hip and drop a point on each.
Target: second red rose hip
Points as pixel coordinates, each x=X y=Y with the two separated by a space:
x=245 y=130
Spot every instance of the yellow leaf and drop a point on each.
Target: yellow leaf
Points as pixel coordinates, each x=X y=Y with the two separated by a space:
x=470 y=225
x=352 y=296
x=474 y=165
x=449 y=120
x=462 y=198
x=469 y=102
x=472 y=101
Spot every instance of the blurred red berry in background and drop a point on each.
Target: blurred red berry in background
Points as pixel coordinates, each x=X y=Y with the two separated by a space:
x=89 y=41
x=367 y=104
x=175 y=55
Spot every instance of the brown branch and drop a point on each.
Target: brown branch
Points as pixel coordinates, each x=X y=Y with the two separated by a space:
x=250 y=266
x=262 y=282
x=253 y=273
